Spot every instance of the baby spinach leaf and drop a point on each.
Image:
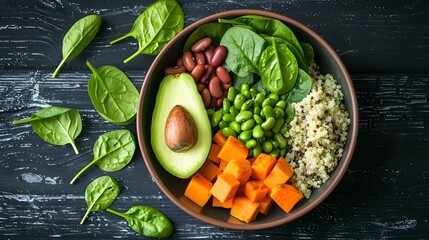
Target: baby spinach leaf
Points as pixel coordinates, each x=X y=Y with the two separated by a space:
x=56 y=125
x=100 y=194
x=113 y=95
x=271 y=27
x=278 y=68
x=238 y=81
x=302 y=87
x=77 y=38
x=308 y=52
x=147 y=221
x=290 y=112
x=213 y=30
x=259 y=86
x=155 y=27
x=112 y=151
x=244 y=50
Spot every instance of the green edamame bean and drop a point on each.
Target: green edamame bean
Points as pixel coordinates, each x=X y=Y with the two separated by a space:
x=283 y=152
x=278 y=112
x=257 y=119
x=244 y=136
x=253 y=92
x=268 y=124
x=239 y=100
x=257 y=131
x=228 y=132
x=280 y=139
x=268 y=102
x=247 y=105
x=232 y=93
x=268 y=134
x=233 y=110
x=273 y=96
x=223 y=124
x=275 y=153
x=279 y=123
x=235 y=126
x=244 y=87
x=243 y=116
x=247 y=94
x=283 y=129
x=226 y=105
x=228 y=117
x=274 y=142
x=261 y=140
x=281 y=104
x=257 y=150
x=215 y=118
x=290 y=112
x=259 y=98
x=268 y=112
x=251 y=143
x=267 y=147
x=248 y=124
x=256 y=109
x=210 y=111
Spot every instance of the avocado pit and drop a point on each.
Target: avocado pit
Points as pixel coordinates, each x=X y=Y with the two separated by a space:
x=181 y=132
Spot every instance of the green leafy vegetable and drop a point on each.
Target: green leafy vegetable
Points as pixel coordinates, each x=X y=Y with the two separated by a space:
x=278 y=68
x=213 y=30
x=56 y=125
x=259 y=86
x=77 y=38
x=112 y=151
x=113 y=95
x=290 y=112
x=100 y=194
x=308 y=52
x=147 y=221
x=302 y=87
x=238 y=81
x=157 y=25
x=244 y=50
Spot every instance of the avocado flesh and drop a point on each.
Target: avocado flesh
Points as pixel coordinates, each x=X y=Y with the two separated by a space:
x=180 y=90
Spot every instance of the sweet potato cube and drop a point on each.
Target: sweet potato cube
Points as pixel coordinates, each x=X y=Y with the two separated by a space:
x=244 y=209
x=222 y=166
x=219 y=138
x=226 y=204
x=262 y=166
x=209 y=170
x=255 y=190
x=240 y=169
x=198 y=189
x=225 y=187
x=286 y=196
x=233 y=149
x=214 y=151
x=265 y=204
x=280 y=173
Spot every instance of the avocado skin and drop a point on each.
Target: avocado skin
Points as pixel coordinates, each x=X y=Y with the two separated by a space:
x=180 y=90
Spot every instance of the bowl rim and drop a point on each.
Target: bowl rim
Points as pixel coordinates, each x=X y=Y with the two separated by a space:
x=353 y=127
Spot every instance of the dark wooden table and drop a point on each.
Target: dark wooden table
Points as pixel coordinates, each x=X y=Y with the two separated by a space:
x=384 y=194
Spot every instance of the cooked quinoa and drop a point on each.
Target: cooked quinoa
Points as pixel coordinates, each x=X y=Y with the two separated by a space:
x=317 y=133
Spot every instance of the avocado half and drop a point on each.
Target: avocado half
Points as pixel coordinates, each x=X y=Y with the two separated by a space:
x=180 y=90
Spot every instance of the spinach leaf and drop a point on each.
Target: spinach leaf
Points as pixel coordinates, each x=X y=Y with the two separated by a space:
x=259 y=86
x=244 y=50
x=308 y=52
x=112 y=151
x=271 y=27
x=290 y=112
x=147 y=221
x=100 y=194
x=155 y=27
x=213 y=30
x=113 y=95
x=56 y=125
x=238 y=81
x=278 y=68
x=302 y=87
x=77 y=38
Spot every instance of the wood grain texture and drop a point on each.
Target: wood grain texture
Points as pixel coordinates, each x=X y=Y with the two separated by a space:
x=384 y=194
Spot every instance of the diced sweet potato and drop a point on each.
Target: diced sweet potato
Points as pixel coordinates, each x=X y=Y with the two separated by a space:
x=255 y=190
x=209 y=170
x=225 y=187
x=262 y=166
x=244 y=209
x=226 y=204
x=240 y=169
x=286 y=196
x=233 y=149
x=219 y=138
x=280 y=173
x=265 y=204
x=214 y=151
x=222 y=166
x=198 y=189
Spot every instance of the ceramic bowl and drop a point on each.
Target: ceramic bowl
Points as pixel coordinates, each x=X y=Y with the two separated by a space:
x=174 y=188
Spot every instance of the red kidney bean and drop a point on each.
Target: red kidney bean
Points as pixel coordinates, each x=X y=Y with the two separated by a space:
x=205 y=77
x=174 y=70
x=198 y=72
x=223 y=74
x=188 y=61
x=200 y=58
x=226 y=86
x=208 y=52
x=201 y=44
x=205 y=94
x=200 y=87
x=219 y=102
x=219 y=56
x=179 y=62
x=213 y=103
x=214 y=87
